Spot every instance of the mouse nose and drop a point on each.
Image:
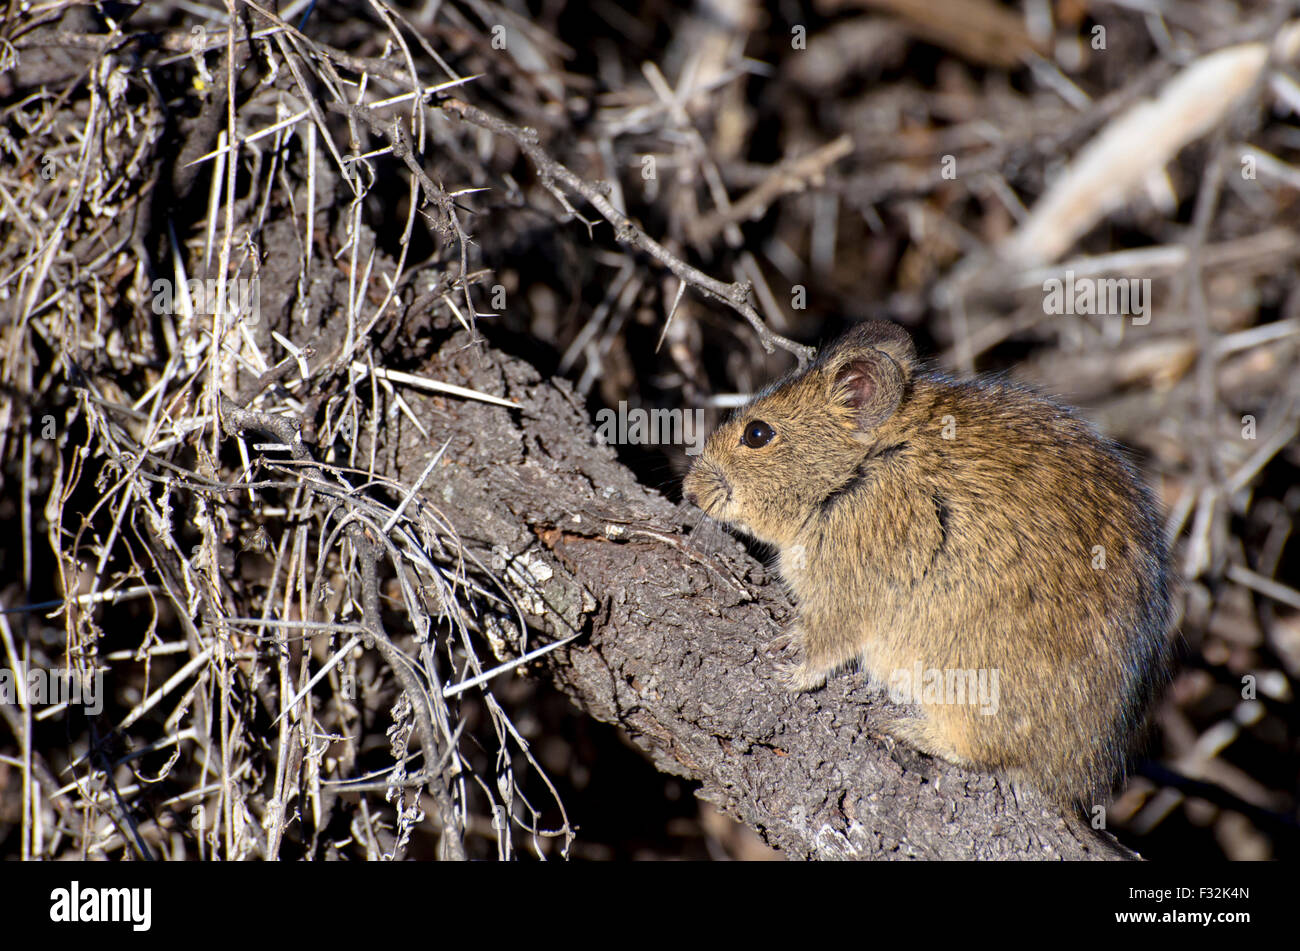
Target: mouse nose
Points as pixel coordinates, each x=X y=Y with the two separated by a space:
x=693 y=498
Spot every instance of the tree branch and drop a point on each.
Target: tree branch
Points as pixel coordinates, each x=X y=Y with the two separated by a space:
x=558 y=179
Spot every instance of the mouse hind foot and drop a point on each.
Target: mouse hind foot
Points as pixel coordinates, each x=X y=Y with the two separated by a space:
x=923 y=735
x=821 y=658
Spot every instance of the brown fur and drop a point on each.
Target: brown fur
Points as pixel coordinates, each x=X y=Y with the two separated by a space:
x=902 y=546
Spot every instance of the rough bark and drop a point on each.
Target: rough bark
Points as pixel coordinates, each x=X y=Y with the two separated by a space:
x=677 y=621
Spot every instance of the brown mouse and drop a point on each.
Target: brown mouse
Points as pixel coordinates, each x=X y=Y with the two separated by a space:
x=927 y=525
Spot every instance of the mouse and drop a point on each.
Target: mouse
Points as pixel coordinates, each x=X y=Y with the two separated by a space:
x=973 y=546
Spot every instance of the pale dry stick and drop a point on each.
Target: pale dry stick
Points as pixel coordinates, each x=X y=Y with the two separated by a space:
x=672 y=312
x=294 y=554
x=118 y=813
x=373 y=851
x=282 y=35
x=1268 y=587
x=638 y=118
x=213 y=396
x=225 y=150
x=318 y=117
x=55 y=709
x=1260 y=458
x=508 y=666
x=163 y=567
x=311 y=144
x=788 y=177
x=381 y=780
x=215 y=185
x=1286 y=89
x=182 y=42
x=317 y=677
x=1255 y=336
x=376 y=383
x=419 y=38
x=226 y=803
x=154 y=426
x=314 y=627
x=415 y=487
x=417 y=114
x=109 y=546
x=1271 y=165
x=174 y=739
x=1003 y=192
x=209 y=577
x=1161 y=260
x=284 y=566
x=600 y=350
x=151 y=701
x=553 y=175
x=725 y=215
x=583 y=338
x=1108 y=171
x=158 y=650
x=1051 y=76
x=451 y=303
x=419 y=558
x=23 y=732
x=674 y=100
x=447 y=205
x=213 y=399
x=747 y=267
x=436 y=386
x=367 y=782
x=427 y=646
x=399 y=267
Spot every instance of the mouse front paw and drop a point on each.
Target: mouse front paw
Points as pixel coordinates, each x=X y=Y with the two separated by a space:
x=783 y=642
x=800 y=678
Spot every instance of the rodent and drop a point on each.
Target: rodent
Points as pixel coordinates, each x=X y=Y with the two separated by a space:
x=956 y=525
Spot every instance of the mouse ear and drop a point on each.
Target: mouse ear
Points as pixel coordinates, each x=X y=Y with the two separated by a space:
x=876 y=335
x=872 y=384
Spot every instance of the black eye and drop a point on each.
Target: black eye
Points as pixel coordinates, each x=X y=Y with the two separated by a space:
x=757 y=434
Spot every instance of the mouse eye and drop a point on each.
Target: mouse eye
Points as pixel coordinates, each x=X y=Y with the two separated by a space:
x=757 y=433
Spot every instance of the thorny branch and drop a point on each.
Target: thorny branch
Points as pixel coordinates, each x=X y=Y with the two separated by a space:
x=554 y=175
